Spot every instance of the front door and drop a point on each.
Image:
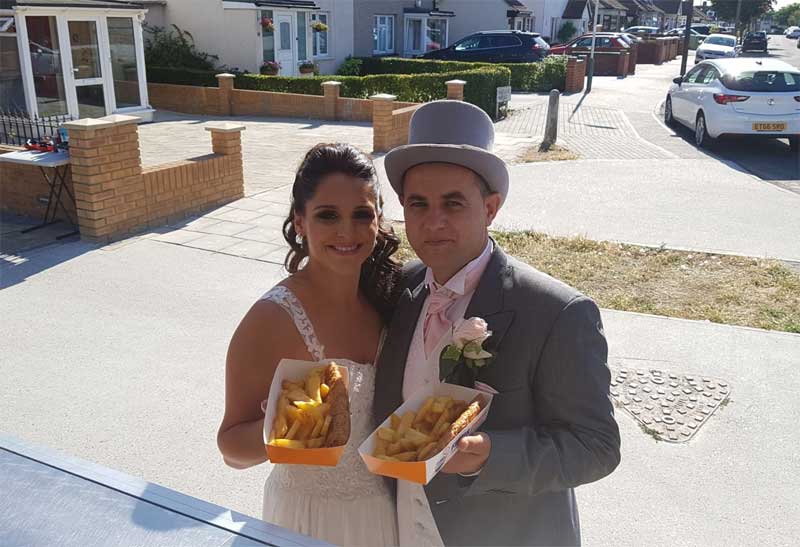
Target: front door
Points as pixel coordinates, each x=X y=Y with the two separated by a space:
x=90 y=97
x=284 y=44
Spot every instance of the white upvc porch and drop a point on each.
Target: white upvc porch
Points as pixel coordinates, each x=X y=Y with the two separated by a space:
x=82 y=61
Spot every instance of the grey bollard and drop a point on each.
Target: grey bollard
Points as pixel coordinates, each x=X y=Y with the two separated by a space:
x=551 y=128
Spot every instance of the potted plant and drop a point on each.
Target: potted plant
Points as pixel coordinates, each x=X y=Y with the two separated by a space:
x=266 y=25
x=270 y=68
x=319 y=26
x=307 y=67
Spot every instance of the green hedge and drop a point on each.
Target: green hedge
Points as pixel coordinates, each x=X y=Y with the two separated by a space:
x=542 y=76
x=535 y=77
x=481 y=88
x=182 y=76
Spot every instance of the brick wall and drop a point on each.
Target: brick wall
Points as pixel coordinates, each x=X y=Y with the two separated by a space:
x=263 y=103
x=174 y=191
x=24 y=191
x=651 y=52
x=226 y=100
x=606 y=63
x=116 y=197
x=185 y=98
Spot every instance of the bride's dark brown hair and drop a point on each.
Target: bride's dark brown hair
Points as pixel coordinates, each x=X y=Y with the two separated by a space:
x=380 y=273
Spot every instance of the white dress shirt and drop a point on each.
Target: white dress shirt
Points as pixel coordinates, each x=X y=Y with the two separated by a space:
x=416 y=524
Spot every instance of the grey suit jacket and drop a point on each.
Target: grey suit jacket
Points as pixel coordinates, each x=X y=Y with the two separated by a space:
x=552 y=424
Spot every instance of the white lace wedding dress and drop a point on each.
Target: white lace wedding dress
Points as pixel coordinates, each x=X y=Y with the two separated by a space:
x=346 y=504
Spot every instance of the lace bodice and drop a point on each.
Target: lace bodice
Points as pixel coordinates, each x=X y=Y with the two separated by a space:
x=350 y=479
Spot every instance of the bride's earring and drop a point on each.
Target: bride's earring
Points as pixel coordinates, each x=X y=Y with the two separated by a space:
x=299 y=240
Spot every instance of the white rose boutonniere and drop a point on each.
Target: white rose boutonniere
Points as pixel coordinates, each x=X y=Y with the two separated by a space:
x=466 y=349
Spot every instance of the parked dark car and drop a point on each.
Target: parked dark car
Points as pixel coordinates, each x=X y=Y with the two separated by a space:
x=755 y=41
x=495 y=46
x=705 y=30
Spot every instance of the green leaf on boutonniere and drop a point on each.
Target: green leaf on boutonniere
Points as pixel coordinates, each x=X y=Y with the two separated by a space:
x=451 y=353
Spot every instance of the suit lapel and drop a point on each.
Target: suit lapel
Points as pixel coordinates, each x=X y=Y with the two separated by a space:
x=392 y=362
x=488 y=302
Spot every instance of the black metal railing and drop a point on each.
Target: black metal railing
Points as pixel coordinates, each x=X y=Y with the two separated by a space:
x=17 y=127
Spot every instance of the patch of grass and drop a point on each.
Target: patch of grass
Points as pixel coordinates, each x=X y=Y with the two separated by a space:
x=722 y=289
x=556 y=153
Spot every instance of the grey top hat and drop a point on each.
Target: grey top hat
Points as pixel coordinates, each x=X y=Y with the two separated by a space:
x=449 y=132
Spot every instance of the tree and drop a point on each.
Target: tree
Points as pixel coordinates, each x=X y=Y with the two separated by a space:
x=566 y=32
x=788 y=16
x=750 y=9
x=175 y=48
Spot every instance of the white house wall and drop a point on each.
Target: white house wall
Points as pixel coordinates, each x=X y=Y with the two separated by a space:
x=545 y=12
x=473 y=16
x=341 y=33
x=231 y=34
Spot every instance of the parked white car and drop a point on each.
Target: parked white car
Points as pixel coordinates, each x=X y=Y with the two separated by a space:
x=794 y=33
x=716 y=46
x=790 y=30
x=744 y=96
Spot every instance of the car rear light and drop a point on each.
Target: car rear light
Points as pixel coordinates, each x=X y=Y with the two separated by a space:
x=536 y=47
x=722 y=98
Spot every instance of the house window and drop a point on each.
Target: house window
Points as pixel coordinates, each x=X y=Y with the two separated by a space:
x=268 y=38
x=123 y=61
x=12 y=92
x=425 y=34
x=48 y=80
x=320 y=39
x=302 y=49
x=383 y=35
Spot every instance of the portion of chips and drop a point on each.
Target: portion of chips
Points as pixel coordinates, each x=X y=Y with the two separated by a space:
x=418 y=436
x=305 y=415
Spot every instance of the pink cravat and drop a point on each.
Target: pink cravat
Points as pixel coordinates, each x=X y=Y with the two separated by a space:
x=440 y=301
x=436 y=321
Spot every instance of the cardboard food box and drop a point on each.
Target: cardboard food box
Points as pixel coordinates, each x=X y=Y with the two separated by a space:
x=296 y=371
x=422 y=472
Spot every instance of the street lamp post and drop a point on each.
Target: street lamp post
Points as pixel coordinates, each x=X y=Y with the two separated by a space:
x=594 y=39
x=687 y=34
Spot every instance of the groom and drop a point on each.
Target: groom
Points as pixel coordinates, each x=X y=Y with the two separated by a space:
x=551 y=425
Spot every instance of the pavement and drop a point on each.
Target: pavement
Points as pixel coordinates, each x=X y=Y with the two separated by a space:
x=117 y=356
x=634 y=106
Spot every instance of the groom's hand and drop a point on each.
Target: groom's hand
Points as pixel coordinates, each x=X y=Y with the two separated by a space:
x=473 y=451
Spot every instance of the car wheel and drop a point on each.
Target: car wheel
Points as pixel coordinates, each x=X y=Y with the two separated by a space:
x=701 y=138
x=669 y=119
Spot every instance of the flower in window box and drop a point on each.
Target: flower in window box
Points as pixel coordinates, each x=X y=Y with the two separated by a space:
x=307 y=67
x=270 y=68
x=266 y=24
x=319 y=26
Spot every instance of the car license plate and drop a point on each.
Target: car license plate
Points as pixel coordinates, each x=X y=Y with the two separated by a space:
x=778 y=126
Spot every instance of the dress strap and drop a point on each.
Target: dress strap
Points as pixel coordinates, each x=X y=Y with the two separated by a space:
x=286 y=299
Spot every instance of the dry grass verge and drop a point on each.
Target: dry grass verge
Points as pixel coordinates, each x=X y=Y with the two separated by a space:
x=719 y=288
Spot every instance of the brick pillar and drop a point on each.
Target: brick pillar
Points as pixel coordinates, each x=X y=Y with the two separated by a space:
x=576 y=74
x=107 y=176
x=226 y=140
x=382 y=121
x=455 y=90
x=331 y=92
x=622 y=64
x=225 y=93
x=632 y=60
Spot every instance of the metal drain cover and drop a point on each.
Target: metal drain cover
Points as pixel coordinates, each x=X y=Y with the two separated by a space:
x=672 y=407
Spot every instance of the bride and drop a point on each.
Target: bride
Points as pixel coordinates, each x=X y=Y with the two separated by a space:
x=333 y=306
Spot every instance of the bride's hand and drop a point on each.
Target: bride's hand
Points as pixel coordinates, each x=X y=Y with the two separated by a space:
x=473 y=451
